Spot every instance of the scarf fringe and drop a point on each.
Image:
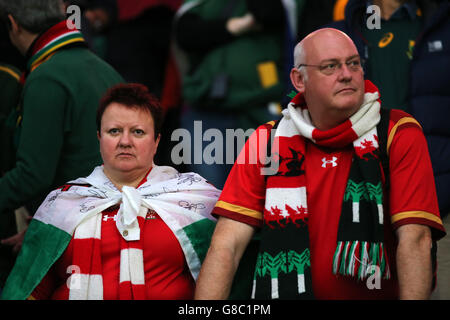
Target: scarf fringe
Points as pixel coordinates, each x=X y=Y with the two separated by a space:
x=361 y=259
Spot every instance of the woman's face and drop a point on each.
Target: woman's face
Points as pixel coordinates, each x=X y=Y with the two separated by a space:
x=127 y=141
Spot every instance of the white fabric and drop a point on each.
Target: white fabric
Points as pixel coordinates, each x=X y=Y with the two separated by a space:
x=180 y=199
x=365 y=119
x=175 y=196
x=131 y=266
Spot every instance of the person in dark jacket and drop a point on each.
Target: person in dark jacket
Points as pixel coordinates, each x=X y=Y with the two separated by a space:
x=10 y=88
x=409 y=61
x=55 y=134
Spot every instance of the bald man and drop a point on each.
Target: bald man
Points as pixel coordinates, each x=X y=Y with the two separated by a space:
x=329 y=225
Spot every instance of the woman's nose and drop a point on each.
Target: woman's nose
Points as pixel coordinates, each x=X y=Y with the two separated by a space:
x=125 y=139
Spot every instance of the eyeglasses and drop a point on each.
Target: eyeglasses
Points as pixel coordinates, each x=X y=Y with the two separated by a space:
x=330 y=68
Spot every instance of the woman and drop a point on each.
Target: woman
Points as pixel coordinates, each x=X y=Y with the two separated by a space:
x=130 y=230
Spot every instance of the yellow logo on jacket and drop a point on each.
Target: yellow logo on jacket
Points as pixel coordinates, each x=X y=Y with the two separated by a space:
x=267 y=74
x=386 y=39
x=409 y=53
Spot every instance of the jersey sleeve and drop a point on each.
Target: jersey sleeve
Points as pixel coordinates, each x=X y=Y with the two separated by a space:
x=243 y=195
x=412 y=197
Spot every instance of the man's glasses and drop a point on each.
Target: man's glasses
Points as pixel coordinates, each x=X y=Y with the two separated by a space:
x=330 y=68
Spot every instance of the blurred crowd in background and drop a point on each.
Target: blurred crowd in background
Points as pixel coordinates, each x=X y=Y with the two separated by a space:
x=227 y=64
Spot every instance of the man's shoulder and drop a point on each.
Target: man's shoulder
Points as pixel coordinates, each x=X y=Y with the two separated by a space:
x=71 y=63
x=401 y=121
x=263 y=132
x=268 y=125
x=399 y=117
x=68 y=68
x=9 y=72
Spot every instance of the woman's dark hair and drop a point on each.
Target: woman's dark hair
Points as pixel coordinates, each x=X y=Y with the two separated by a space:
x=132 y=95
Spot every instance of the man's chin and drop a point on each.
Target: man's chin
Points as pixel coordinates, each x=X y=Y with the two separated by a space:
x=347 y=109
x=350 y=103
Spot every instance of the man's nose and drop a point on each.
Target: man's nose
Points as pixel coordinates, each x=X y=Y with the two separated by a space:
x=345 y=74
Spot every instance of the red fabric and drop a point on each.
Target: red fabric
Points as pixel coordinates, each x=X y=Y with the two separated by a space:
x=171 y=94
x=129 y=9
x=412 y=189
x=166 y=272
x=167 y=276
x=340 y=136
x=54 y=32
x=325 y=195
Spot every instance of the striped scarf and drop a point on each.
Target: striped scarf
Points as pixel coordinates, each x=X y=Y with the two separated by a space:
x=44 y=47
x=284 y=247
x=73 y=213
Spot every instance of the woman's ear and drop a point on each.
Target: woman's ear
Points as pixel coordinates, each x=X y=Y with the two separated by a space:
x=157 y=140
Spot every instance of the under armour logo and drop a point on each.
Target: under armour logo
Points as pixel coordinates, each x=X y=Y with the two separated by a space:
x=106 y=217
x=326 y=162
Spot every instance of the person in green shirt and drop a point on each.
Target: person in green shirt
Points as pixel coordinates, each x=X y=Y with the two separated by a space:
x=55 y=134
x=9 y=95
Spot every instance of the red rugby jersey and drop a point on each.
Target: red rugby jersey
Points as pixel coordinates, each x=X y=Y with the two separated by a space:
x=412 y=199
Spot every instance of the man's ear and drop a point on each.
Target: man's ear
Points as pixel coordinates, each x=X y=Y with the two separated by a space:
x=13 y=25
x=298 y=80
x=98 y=135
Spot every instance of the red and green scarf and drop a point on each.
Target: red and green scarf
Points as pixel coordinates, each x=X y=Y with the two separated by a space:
x=46 y=44
x=42 y=49
x=283 y=264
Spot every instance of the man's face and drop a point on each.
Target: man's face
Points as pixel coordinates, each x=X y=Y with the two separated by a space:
x=341 y=92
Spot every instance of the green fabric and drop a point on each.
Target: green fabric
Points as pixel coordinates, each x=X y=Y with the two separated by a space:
x=197 y=232
x=56 y=139
x=388 y=66
x=242 y=285
x=238 y=60
x=7 y=257
x=45 y=244
x=9 y=97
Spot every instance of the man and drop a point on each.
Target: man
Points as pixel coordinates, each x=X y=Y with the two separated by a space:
x=327 y=230
x=9 y=96
x=56 y=133
x=405 y=57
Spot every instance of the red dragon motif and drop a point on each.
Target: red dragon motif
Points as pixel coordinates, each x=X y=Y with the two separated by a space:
x=367 y=147
x=276 y=215
x=273 y=215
